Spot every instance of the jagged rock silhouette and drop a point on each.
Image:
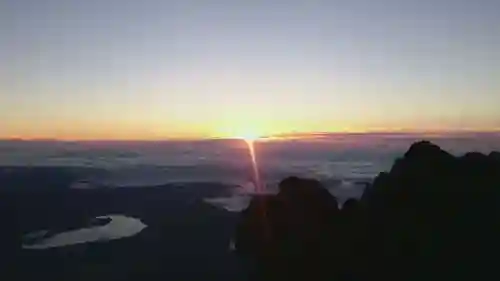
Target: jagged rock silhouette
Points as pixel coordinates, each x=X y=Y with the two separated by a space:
x=433 y=214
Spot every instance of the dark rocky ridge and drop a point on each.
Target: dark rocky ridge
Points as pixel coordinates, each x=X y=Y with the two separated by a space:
x=433 y=215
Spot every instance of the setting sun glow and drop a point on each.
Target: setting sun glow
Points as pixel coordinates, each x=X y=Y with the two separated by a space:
x=249 y=137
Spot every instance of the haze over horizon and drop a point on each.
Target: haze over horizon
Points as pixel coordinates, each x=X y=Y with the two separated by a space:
x=195 y=69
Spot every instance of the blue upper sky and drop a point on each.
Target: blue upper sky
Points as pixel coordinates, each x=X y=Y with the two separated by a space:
x=159 y=69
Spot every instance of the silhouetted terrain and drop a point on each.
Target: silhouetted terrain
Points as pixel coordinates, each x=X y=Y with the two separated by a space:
x=433 y=215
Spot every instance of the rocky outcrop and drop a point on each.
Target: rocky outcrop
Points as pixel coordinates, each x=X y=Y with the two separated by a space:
x=289 y=230
x=433 y=214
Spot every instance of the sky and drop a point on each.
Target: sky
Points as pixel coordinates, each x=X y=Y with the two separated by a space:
x=153 y=69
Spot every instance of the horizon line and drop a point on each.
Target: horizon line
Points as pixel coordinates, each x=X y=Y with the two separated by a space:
x=281 y=136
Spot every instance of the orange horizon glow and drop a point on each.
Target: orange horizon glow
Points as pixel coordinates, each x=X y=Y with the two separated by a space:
x=247 y=124
x=292 y=134
x=242 y=126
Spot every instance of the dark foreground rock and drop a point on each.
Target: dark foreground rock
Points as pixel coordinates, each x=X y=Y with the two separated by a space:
x=433 y=215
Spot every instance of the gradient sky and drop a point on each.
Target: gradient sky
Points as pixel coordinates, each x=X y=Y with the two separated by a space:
x=100 y=69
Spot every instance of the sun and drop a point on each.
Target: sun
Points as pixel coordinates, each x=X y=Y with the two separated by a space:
x=249 y=137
